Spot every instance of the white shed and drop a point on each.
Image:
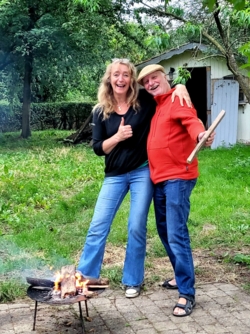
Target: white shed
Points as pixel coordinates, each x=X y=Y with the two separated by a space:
x=212 y=87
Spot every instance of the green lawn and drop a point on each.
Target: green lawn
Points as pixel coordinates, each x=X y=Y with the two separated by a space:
x=48 y=191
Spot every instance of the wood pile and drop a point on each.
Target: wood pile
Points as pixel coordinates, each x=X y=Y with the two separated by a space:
x=71 y=283
x=84 y=134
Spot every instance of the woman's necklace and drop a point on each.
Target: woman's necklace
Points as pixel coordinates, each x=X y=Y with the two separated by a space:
x=120 y=105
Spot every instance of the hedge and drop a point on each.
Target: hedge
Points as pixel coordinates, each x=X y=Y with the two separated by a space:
x=61 y=115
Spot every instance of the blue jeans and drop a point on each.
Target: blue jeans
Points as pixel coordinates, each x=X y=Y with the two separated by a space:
x=172 y=206
x=112 y=193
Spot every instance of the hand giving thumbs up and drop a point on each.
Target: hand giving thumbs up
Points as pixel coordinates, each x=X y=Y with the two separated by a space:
x=124 y=131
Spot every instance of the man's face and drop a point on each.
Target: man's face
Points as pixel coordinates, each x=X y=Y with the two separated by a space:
x=156 y=83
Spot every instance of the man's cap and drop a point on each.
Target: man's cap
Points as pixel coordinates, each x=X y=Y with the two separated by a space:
x=148 y=70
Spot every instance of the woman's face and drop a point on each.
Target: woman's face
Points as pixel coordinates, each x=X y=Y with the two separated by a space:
x=120 y=79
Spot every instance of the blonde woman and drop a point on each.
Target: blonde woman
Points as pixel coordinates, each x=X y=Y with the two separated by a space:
x=121 y=122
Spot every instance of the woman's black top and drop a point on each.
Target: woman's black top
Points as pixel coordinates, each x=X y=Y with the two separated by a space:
x=132 y=152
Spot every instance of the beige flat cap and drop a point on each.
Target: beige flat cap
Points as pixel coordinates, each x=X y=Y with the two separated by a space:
x=148 y=70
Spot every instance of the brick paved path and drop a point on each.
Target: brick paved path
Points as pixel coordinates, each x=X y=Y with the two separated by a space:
x=220 y=308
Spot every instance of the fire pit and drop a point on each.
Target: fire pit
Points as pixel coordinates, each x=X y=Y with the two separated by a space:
x=69 y=287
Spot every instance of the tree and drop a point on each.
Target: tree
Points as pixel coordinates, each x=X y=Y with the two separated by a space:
x=224 y=24
x=225 y=28
x=43 y=45
x=238 y=4
x=32 y=31
x=55 y=47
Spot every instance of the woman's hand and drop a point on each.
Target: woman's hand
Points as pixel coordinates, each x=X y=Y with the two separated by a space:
x=182 y=93
x=124 y=131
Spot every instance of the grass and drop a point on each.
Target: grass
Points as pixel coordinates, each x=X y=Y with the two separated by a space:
x=48 y=191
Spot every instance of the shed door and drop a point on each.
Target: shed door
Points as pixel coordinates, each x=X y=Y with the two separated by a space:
x=226 y=97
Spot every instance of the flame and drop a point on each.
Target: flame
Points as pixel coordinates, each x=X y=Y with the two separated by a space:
x=84 y=285
x=78 y=279
x=81 y=284
x=58 y=280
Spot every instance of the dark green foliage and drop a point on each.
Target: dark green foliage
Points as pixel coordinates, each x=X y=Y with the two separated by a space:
x=238 y=4
x=64 y=115
x=10 y=117
x=114 y=275
x=242 y=259
x=11 y=290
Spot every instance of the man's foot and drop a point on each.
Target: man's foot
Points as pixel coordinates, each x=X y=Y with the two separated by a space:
x=170 y=284
x=184 y=306
x=132 y=291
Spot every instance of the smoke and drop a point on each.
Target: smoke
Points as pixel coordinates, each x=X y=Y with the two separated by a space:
x=17 y=264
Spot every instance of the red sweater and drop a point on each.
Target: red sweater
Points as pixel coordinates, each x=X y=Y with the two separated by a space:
x=172 y=137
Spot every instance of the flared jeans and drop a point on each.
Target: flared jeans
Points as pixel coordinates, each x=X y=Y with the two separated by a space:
x=172 y=207
x=112 y=193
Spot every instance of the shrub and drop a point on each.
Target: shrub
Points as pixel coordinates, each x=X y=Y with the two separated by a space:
x=61 y=115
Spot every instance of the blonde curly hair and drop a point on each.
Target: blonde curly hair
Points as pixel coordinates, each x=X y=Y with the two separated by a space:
x=106 y=100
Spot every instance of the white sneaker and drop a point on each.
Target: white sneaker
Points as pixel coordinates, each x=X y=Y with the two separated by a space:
x=132 y=291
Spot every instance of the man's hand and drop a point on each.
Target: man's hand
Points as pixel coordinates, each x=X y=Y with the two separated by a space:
x=210 y=139
x=182 y=93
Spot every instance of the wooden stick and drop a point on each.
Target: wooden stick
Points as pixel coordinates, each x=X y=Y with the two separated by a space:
x=98 y=286
x=205 y=137
x=97 y=281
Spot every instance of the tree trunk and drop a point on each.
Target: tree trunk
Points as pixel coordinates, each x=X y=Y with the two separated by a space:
x=28 y=67
x=231 y=63
x=238 y=76
x=28 y=62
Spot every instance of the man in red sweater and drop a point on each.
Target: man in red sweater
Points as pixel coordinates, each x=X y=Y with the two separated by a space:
x=175 y=130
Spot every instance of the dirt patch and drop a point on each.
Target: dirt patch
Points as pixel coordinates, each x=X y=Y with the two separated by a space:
x=210 y=266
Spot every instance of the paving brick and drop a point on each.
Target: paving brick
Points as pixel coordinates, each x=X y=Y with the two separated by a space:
x=215 y=329
x=150 y=309
x=130 y=316
x=190 y=327
x=205 y=320
x=147 y=331
x=154 y=317
x=140 y=324
x=165 y=325
x=3 y=307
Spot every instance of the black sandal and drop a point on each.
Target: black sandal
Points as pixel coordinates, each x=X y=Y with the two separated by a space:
x=167 y=285
x=188 y=307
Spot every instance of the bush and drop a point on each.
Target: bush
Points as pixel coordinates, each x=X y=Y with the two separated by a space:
x=61 y=115
x=10 y=117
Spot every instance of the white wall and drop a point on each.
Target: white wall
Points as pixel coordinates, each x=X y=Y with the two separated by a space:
x=243 y=134
x=218 y=65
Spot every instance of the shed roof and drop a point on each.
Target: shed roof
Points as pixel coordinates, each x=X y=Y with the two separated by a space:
x=169 y=54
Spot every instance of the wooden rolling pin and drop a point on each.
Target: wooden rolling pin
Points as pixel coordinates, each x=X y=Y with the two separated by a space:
x=205 y=137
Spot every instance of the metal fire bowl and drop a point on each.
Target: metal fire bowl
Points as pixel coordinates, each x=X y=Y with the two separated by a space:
x=43 y=296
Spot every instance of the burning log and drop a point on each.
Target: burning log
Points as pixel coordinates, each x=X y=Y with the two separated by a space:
x=98 y=282
x=68 y=282
x=93 y=282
